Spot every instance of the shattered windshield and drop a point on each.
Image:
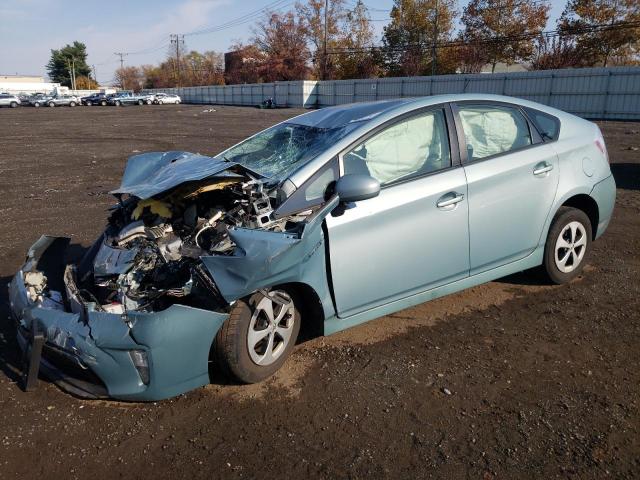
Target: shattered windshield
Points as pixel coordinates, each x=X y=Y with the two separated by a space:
x=279 y=150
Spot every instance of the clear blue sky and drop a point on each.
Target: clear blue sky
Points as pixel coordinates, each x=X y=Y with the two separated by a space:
x=30 y=28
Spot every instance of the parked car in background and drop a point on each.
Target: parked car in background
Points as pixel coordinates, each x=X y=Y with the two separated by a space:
x=95 y=99
x=163 y=98
x=39 y=99
x=8 y=100
x=132 y=99
x=120 y=98
x=329 y=219
x=63 y=101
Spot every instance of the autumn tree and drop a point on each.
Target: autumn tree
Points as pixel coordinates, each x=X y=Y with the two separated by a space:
x=411 y=37
x=356 y=57
x=312 y=17
x=504 y=30
x=86 y=83
x=202 y=68
x=129 y=78
x=601 y=30
x=286 y=55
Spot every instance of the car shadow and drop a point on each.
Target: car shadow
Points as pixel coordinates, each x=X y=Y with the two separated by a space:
x=532 y=277
x=627 y=175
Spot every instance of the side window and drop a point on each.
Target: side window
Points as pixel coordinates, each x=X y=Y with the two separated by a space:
x=312 y=193
x=547 y=125
x=412 y=147
x=493 y=129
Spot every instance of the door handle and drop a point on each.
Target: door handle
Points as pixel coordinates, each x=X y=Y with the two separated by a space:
x=447 y=200
x=542 y=168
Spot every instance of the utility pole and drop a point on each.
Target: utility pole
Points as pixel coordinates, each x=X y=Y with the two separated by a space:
x=324 y=54
x=73 y=80
x=178 y=40
x=434 y=53
x=95 y=75
x=122 y=55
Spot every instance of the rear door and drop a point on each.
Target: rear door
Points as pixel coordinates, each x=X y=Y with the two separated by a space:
x=512 y=181
x=414 y=235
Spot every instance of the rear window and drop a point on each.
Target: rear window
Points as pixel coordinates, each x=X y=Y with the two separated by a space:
x=548 y=126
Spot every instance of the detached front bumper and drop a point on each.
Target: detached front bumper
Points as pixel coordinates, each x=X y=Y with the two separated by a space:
x=137 y=356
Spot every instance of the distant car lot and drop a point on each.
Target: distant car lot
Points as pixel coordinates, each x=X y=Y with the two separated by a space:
x=97 y=99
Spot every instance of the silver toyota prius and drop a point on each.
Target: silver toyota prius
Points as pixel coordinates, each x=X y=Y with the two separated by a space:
x=326 y=220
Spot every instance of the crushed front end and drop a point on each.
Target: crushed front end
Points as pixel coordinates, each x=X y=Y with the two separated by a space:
x=136 y=316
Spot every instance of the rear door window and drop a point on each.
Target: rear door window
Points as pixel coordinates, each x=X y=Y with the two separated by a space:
x=548 y=126
x=493 y=129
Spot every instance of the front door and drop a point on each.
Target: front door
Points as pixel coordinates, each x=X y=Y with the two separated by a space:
x=414 y=235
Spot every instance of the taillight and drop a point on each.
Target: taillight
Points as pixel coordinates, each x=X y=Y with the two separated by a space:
x=600 y=144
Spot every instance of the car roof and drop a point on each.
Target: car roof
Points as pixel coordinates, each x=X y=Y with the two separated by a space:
x=341 y=115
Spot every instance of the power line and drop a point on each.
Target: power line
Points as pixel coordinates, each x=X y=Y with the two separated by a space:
x=276 y=5
x=500 y=39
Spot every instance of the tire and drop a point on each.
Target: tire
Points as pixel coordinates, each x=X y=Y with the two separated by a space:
x=72 y=104
x=140 y=102
x=51 y=104
x=117 y=103
x=251 y=358
x=568 y=245
x=103 y=103
x=13 y=104
x=148 y=102
x=177 y=102
x=36 y=105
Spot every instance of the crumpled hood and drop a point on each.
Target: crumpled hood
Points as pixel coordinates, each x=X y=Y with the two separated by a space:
x=151 y=173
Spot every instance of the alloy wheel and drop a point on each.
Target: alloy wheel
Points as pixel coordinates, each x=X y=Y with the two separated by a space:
x=571 y=246
x=270 y=328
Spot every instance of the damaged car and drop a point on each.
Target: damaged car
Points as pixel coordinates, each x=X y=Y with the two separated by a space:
x=324 y=221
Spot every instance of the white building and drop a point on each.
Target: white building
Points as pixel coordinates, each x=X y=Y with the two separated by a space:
x=26 y=84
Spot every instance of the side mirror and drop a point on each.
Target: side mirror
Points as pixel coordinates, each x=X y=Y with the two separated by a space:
x=356 y=187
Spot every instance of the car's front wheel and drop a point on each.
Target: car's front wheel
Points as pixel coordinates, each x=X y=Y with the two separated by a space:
x=72 y=104
x=103 y=103
x=258 y=336
x=13 y=104
x=51 y=104
x=568 y=245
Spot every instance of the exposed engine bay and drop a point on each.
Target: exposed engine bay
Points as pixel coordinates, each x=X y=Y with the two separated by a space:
x=149 y=255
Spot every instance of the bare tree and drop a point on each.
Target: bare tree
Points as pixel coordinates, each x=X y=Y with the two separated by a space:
x=555 y=52
x=322 y=28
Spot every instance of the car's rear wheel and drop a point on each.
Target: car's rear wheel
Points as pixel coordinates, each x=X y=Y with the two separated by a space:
x=148 y=102
x=117 y=103
x=72 y=104
x=103 y=103
x=568 y=245
x=140 y=102
x=258 y=336
x=13 y=104
x=36 y=104
x=51 y=104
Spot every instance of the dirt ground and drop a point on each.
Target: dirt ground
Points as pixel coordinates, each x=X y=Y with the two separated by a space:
x=512 y=379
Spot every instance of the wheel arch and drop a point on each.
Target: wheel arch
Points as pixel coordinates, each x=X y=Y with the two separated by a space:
x=309 y=304
x=589 y=206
